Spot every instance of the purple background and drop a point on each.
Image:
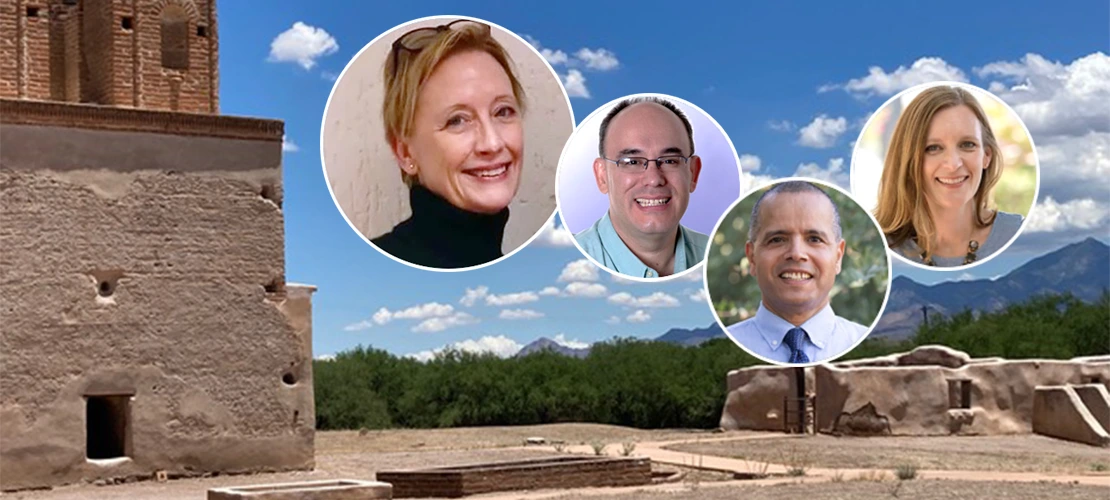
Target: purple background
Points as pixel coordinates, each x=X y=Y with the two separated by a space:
x=581 y=204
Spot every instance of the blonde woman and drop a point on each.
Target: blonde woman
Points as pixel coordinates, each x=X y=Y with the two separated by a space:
x=935 y=193
x=453 y=117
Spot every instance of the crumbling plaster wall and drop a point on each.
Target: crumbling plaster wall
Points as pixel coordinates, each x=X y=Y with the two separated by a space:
x=756 y=397
x=915 y=399
x=150 y=265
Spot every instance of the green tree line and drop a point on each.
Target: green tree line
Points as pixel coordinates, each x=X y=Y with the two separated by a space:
x=1047 y=326
x=624 y=381
x=646 y=384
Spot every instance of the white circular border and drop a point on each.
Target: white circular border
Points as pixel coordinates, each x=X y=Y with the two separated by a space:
x=324 y=167
x=710 y=246
x=1032 y=146
x=559 y=169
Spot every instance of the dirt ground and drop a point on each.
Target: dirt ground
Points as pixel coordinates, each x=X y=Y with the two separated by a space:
x=329 y=465
x=1022 y=453
x=852 y=490
x=469 y=438
x=350 y=455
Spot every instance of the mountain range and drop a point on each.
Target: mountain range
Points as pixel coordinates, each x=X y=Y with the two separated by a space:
x=1082 y=268
x=680 y=336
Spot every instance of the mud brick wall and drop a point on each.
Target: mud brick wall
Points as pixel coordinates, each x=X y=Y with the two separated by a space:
x=560 y=472
x=918 y=400
x=147 y=268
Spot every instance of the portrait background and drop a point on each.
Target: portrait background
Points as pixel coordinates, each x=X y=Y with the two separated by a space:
x=363 y=175
x=859 y=290
x=581 y=203
x=1016 y=190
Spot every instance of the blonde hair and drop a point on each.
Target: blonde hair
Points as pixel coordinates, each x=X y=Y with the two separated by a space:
x=405 y=72
x=903 y=210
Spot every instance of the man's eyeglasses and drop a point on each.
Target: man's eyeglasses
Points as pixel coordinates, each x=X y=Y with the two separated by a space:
x=636 y=164
x=416 y=40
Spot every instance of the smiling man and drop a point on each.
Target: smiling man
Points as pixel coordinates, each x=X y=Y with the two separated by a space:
x=794 y=251
x=648 y=169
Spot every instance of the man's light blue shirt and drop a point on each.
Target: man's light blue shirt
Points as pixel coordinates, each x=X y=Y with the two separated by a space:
x=602 y=243
x=829 y=335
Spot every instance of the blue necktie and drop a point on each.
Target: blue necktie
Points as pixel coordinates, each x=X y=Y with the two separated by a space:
x=793 y=340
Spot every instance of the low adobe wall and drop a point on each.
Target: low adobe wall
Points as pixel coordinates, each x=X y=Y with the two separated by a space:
x=756 y=395
x=1059 y=412
x=555 y=472
x=929 y=400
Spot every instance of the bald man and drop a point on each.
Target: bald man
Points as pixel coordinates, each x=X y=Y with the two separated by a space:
x=648 y=169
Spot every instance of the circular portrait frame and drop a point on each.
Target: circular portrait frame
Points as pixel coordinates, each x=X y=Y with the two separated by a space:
x=859 y=268
x=364 y=178
x=1017 y=190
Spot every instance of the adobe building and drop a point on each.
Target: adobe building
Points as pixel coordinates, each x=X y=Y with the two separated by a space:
x=930 y=391
x=147 y=328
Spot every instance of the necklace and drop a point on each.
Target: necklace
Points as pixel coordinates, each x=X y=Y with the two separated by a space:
x=972 y=247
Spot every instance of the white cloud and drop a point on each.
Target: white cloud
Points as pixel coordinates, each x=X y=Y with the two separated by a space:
x=694 y=276
x=586 y=290
x=424 y=356
x=1079 y=166
x=325 y=357
x=440 y=324
x=834 y=173
x=782 y=125
x=1083 y=214
x=520 y=314
x=511 y=299
x=579 y=270
x=554 y=236
x=613 y=320
x=1054 y=98
x=383 y=316
x=638 y=317
x=657 y=299
x=822 y=132
x=358 y=327
x=288 y=146
x=422 y=311
x=575 y=84
x=698 y=295
x=302 y=44
x=553 y=57
x=600 y=59
x=474 y=295
x=878 y=81
x=549 y=290
x=562 y=339
x=749 y=181
x=434 y=313
x=500 y=345
x=750 y=163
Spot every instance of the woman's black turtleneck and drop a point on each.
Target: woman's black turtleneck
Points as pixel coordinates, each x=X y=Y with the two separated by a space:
x=444 y=236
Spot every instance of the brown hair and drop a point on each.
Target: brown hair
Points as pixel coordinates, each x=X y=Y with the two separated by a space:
x=903 y=210
x=405 y=72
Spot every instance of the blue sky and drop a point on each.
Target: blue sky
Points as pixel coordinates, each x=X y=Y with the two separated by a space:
x=791 y=84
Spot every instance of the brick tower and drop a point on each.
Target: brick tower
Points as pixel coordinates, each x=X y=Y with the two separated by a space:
x=159 y=54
